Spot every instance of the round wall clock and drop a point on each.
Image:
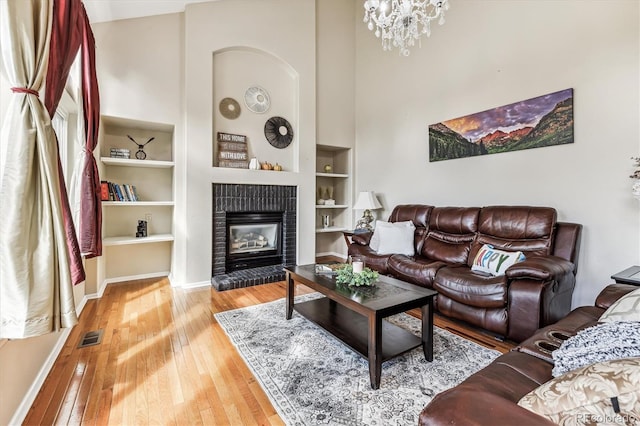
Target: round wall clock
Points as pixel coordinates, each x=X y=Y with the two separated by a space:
x=278 y=132
x=229 y=108
x=257 y=99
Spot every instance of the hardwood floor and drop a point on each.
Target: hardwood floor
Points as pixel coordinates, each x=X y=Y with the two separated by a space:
x=164 y=359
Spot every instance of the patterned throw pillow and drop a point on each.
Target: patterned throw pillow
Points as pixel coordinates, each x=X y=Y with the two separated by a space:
x=627 y=308
x=606 y=393
x=494 y=261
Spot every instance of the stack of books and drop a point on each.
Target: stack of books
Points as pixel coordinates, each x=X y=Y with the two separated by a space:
x=118 y=192
x=120 y=153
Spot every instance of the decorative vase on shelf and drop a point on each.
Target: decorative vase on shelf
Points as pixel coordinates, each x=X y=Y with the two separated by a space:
x=320 y=195
x=329 y=200
x=254 y=164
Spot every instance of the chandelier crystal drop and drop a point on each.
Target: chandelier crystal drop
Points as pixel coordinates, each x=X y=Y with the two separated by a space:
x=401 y=22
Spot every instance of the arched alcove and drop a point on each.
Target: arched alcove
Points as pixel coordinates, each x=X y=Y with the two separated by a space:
x=236 y=70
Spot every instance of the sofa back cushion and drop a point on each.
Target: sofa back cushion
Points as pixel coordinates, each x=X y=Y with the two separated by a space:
x=418 y=214
x=451 y=232
x=516 y=228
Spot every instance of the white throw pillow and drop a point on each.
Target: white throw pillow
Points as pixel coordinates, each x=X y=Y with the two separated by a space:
x=396 y=240
x=374 y=243
x=494 y=261
x=627 y=308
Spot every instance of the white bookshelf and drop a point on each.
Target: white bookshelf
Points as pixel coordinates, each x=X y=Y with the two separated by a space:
x=329 y=239
x=126 y=256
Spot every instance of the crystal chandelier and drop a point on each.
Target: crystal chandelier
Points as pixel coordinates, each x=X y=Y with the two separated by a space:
x=406 y=21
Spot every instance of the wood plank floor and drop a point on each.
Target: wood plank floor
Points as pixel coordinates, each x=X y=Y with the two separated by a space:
x=164 y=359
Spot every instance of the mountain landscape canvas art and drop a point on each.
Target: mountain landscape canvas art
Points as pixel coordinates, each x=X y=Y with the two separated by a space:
x=534 y=123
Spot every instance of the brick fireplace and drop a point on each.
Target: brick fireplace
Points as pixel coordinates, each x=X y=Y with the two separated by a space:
x=230 y=199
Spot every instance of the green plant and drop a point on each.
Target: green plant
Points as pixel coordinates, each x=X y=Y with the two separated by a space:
x=365 y=278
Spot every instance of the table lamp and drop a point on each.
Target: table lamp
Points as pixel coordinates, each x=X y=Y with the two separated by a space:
x=367 y=201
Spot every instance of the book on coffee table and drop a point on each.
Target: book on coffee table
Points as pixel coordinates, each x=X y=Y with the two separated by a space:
x=328 y=268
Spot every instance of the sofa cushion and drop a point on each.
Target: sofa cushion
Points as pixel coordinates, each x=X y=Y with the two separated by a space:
x=417 y=213
x=419 y=271
x=453 y=249
x=471 y=288
x=585 y=396
x=454 y=220
x=395 y=238
x=516 y=228
x=627 y=308
x=494 y=261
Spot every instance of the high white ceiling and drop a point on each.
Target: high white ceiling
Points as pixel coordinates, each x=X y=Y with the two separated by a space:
x=112 y=10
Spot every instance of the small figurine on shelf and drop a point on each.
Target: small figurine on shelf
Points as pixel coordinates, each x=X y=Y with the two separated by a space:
x=140 y=154
x=142 y=229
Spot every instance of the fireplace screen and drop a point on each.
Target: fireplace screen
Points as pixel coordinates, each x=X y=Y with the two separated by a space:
x=253 y=238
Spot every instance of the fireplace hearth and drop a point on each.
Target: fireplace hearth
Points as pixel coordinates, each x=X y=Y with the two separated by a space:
x=254 y=234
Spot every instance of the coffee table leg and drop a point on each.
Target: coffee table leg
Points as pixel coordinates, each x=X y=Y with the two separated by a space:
x=427 y=330
x=375 y=350
x=290 y=291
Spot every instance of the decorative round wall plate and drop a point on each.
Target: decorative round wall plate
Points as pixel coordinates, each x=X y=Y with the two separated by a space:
x=257 y=99
x=278 y=132
x=229 y=108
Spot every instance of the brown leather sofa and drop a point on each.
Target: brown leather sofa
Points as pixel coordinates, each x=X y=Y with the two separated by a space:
x=531 y=294
x=490 y=396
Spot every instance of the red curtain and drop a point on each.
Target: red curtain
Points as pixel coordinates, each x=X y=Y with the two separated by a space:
x=70 y=31
x=90 y=200
x=63 y=48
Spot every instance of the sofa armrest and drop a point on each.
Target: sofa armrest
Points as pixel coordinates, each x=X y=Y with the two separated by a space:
x=470 y=407
x=362 y=238
x=540 y=293
x=613 y=292
x=540 y=267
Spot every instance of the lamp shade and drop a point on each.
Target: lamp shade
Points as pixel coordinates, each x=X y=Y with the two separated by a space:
x=367 y=201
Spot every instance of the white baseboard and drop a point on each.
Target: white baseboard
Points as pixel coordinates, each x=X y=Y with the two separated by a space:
x=131 y=278
x=332 y=253
x=25 y=405
x=193 y=285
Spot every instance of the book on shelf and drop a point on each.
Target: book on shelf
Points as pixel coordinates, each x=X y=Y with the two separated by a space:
x=104 y=190
x=121 y=192
x=119 y=153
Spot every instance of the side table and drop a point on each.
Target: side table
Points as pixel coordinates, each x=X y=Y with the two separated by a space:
x=347 y=237
x=628 y=276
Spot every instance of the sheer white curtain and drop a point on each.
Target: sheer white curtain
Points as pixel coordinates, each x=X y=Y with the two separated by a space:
x=36 y=294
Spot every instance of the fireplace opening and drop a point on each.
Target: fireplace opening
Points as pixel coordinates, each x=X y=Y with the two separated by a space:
x=254 y=239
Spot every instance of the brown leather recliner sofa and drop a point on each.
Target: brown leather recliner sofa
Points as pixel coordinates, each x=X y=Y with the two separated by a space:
x=532 y=293
x=490 y=396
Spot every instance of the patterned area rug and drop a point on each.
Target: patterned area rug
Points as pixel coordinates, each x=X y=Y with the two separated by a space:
x=312 y=378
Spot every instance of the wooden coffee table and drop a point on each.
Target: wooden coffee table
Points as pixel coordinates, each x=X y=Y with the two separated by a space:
x=355 y=316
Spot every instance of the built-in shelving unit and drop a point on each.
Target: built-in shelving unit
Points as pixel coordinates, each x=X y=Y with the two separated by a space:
x=329 y=238
x=125 y=256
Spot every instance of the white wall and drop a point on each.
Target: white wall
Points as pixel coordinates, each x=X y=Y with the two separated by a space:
x=491 y=53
